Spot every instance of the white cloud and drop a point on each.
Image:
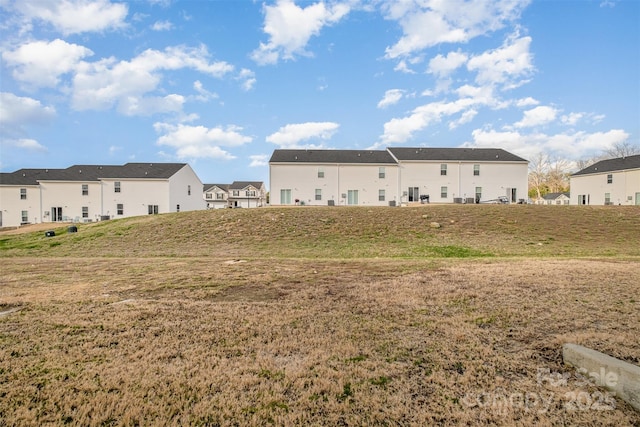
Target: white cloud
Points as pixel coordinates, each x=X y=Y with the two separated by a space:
x=247 y=79
x=199 y=141
x=17 y=115
x=41 y=63
x=290 y=27
x=537 y=116
x=147 y=106
x=444 y=65
x=291 y=135
x=574 y=145
x=391 y=97
x=572 y=119
x=105 y=83
x=162 y=26
x=426 y=24
x=506 y=66
x=75 y=16
x=526 y=102
x=30 y=144
x=203 y=94
x=403 y=68
x=18 y=111
x=259 y=160
x=465 y=117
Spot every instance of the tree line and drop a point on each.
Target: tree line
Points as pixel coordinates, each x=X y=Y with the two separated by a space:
x=549 y=174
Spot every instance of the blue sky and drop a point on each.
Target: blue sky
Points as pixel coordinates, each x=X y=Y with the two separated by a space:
x=221 y=84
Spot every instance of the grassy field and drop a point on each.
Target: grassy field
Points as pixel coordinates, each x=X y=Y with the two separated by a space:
x=321 y=316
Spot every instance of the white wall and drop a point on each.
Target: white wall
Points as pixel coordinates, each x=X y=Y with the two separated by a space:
x=494 y=179
x=179 y=194
x=68 y=196
x=135 y=196
x=11 y=206
x=302 y=180
x=623 y=188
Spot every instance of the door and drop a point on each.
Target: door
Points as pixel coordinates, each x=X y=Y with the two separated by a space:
x=285 y=197
x=56 y=214
x=352 y=197
x=414 y=194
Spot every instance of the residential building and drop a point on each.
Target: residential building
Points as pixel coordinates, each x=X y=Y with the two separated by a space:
x=216 y=195
x=333 y=177
x=84 y=193
x=397 y=175
x=554 y=199
x=239 y=194
x=608 y=182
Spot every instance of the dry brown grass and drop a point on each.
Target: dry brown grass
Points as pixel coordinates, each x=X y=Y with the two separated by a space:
x=197 y=341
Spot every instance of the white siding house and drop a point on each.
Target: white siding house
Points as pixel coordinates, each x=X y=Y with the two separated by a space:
x=608 y=182
x=84 y=193
x=460 y=175
x=216 y=195
x=394 y=176
x=333 y=177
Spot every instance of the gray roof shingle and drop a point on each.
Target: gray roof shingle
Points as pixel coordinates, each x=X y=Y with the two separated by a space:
x=241 y=185
x=611 y=165
x=454 y=154
x=92 y=173
x=331 y=156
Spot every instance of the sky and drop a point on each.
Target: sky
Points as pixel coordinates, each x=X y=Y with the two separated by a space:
x=221 y=84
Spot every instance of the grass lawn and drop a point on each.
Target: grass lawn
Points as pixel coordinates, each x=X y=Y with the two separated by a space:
x=321 y=316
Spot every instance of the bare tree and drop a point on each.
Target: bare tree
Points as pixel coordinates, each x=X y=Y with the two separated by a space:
x=548 y=175
x=622 y=149
x=538 y=167
x=557 y=178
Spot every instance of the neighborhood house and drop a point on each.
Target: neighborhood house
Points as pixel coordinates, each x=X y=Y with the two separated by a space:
x=397 y=175
x=84 y=193
x=239 y=194
x=608 y=182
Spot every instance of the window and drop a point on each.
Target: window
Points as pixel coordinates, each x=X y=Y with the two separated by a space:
x=318 y=194
x=116 y=187
x=85 y=212
x=120 y=209
x=188 y=190
x=478 y=194
x=25 y=216
x=320 y=172
x=219 y=196
x=208 y=196
x=23 y=194
x=607 y=198
x=251 y=193
x=443 y=192
x=177 y=208
x=381 y=172
x=609 y=178
x=476 y=170
x=381 y=196
x=236 y=193
x=85 y=189
x=153 y=209
x=443 y=169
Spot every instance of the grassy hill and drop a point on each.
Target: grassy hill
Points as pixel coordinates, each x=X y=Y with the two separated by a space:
x=319 y=316
x=465 y=231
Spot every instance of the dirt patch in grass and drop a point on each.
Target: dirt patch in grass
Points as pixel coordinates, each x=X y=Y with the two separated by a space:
x=195 y=341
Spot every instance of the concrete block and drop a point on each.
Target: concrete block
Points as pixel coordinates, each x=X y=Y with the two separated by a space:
x=613 y=374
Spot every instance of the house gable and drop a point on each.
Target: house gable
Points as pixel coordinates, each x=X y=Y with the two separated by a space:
x=611 y=165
